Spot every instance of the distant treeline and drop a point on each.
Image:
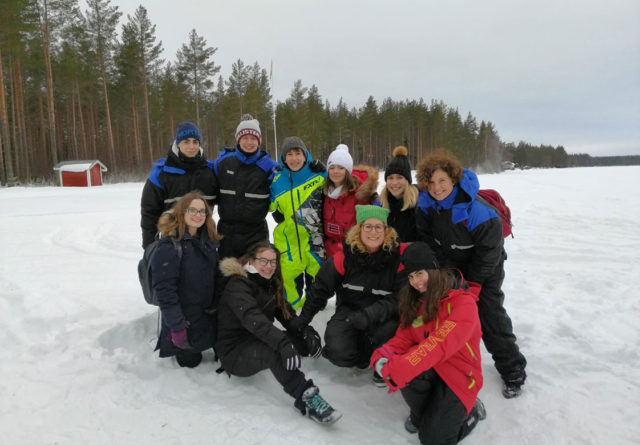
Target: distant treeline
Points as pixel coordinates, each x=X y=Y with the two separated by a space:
x=544 y=156
x=585 y=160
x=69 y=89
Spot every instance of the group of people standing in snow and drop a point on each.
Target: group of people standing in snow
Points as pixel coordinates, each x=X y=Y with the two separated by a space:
x=416 y=272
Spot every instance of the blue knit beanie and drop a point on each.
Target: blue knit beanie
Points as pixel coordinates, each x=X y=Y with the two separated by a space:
x=187 y=130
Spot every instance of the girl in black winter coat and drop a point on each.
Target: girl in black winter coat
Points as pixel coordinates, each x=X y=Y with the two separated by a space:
x=184 y=268
x=248 y=341
x=365 y=277
x=400 y=196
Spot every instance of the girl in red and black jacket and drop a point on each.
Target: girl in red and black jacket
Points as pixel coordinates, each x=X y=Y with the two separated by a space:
x=434 y=358
x=344 y=187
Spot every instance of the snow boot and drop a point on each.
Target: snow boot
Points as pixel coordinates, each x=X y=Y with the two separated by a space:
x=317 y=408
x=479 y=409
x=409 y=426
x=512 y=388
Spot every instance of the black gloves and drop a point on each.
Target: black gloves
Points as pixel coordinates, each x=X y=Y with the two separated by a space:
x=312 y=340
x=297 y=324
x=291 y=359
x=277 y=217
x=358 y=320
x=317 y=166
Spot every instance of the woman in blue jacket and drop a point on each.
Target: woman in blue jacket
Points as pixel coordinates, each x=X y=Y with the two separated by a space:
x=465 y=232
x=184 y=268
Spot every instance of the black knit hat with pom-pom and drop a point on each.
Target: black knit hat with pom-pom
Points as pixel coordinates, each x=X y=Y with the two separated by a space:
x=399 y=164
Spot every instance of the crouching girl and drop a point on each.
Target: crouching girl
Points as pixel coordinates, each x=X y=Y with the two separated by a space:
x=248 y=342
x=434 y=358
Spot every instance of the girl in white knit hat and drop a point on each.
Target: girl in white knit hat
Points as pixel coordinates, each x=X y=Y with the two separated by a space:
x=345 y=187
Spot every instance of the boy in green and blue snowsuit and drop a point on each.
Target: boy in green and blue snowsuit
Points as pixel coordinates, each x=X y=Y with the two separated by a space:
x=296 y=200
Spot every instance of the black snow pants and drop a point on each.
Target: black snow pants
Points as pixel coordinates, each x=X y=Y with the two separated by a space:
x=252 y=356
x=347 y=346
x=436 y=411
x=238 y=237
x=497 y=329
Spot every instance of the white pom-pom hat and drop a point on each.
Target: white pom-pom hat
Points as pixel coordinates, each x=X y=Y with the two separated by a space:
x=340 y=156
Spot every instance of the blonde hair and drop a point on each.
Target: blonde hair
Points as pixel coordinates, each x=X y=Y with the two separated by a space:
x=172 y=222
x=352 y=239
x=409 y=197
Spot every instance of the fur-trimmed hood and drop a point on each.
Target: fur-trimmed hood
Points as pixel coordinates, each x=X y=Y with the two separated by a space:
x=231 y=266
x=368 y=177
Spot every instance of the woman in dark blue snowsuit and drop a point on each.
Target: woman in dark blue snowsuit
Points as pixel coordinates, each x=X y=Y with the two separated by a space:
x=465 y=232
x=184 y=269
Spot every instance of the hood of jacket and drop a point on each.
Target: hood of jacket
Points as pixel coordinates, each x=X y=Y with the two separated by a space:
x=231 y=266
x=459 y=203
x=368 y=177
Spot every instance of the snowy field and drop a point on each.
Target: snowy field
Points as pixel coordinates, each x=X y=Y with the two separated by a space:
x=76 y=337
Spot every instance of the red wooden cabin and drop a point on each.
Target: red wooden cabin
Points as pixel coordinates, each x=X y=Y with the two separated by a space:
x=80 y=173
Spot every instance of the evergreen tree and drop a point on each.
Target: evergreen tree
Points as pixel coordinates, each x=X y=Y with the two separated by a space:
x=195 y=66
x=140 y=34
x=101 y=20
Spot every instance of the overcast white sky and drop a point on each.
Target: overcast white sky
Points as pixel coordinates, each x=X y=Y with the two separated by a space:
x=546 y=72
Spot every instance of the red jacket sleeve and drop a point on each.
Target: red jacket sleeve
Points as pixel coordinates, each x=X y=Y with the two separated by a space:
x=453 y=331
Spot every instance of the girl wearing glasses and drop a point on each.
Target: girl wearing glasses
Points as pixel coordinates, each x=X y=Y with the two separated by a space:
x=364 y=276
x=184 y=269
x=248 y=341
x=345 y=187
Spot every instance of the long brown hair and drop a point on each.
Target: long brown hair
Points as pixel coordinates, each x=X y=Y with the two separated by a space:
x=172 y=222
x=410 y=300
x=351 y=184
x=251 y=254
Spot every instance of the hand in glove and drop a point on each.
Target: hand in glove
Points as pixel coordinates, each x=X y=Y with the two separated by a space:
x=379 y=364
x=291 y=359
x=359 y=320
x=179 y=339
x=277 y=216
x=297 y=324
x=317 y=166
x=312 y=340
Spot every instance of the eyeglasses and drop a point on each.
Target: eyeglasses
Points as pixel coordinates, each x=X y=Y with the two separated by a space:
x=193 y=211
x=264 y=261
x=370 y=227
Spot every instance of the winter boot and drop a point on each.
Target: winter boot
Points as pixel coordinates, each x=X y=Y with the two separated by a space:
x=479 y=409
x=512 y=387
x=317 y=408
x=478 y=413
x=409 y=426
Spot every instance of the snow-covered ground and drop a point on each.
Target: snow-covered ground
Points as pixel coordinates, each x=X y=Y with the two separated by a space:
x=76 y=337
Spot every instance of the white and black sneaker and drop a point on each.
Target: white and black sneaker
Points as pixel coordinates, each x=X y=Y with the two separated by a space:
x=317 y=408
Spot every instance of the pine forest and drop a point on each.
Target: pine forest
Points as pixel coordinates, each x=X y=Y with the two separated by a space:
x=91 y=84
